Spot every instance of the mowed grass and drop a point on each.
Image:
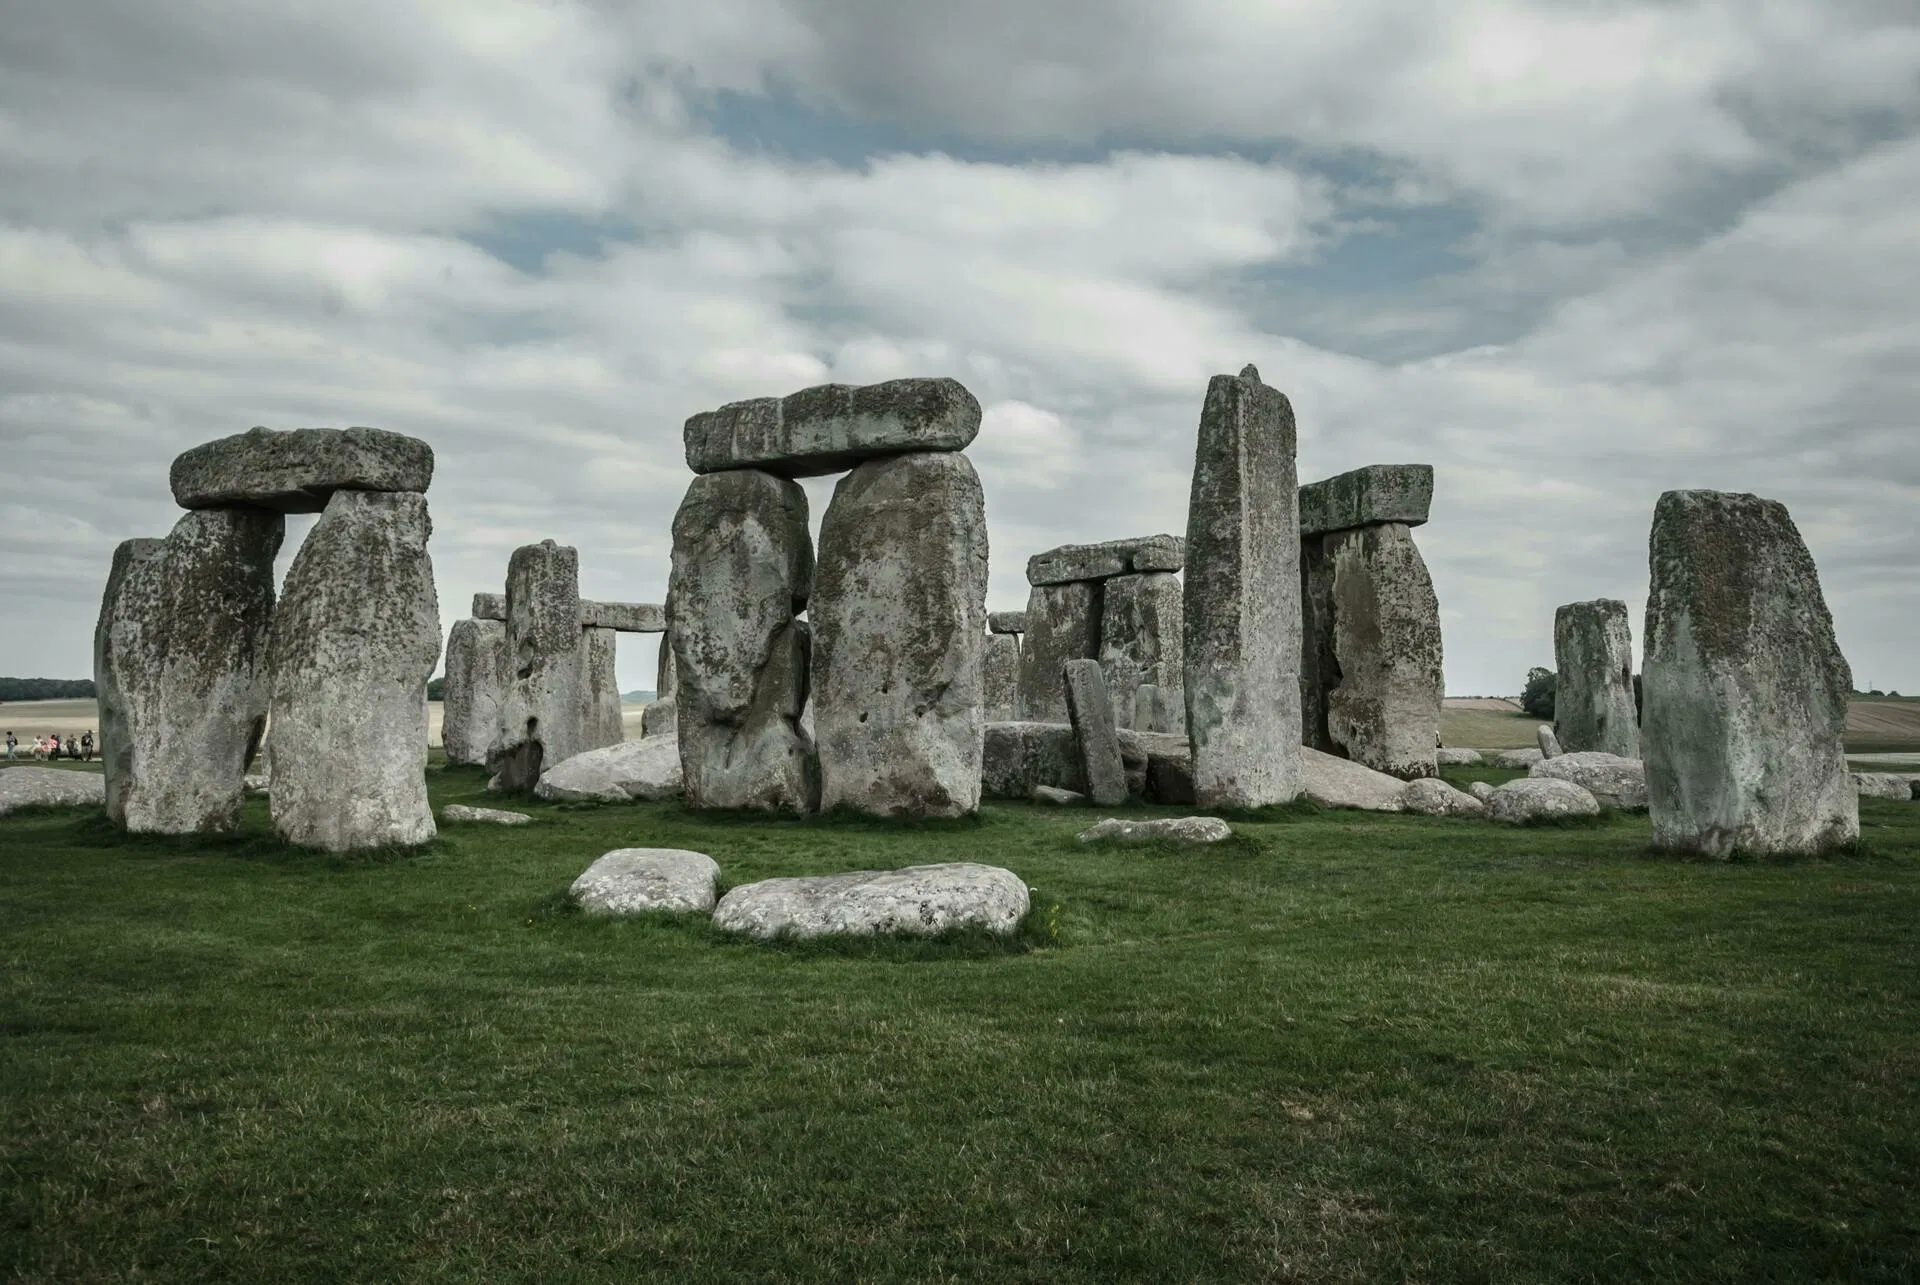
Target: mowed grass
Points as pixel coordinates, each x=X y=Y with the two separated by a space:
x=1339 y=1048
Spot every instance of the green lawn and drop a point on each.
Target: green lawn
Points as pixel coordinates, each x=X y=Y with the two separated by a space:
x=1341 y=1048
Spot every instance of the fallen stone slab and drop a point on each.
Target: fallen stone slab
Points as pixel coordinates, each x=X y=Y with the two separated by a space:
x=1334 y=782
x=1518 y=760
x=1549 y=743
x=1006 y=622
x=1430 y=796
x=1059 y=798
x=1458 y=757
x=1540 y=798
x=1882 y=785
x=487 y=816
x=833 y=428
x=1091 y=716
x=1481 y=790
x=490 y=606
x=38 y=787
x=644 y=770
x=634 y=881
x=920 y=901
x=1075 y=562
x=1618 y=782
x=1159 y=830
x=299 y=470
x=623 y=617
x=1016 y=757
x=1378 y=493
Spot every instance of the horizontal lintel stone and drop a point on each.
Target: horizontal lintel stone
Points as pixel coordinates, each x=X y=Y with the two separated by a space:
x=1074 y=562
x=1007 y=622
x=624 y=617
x=489 y=606
x=298 y=470
x=1370 y=496
x=833 y=428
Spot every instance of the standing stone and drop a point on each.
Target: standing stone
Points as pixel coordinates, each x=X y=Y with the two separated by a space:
x=540 y=713
x=899 y=625
x=1549 y=743
x=1091 y=712
x=1063 y=624
x=1242 y=598
x=355 y=639
x=470 y=702
x=666 y=678
x=1593 y=705
x=742 y=569
x=1000 y=677
x=180 y=666
x=1746 y=689
x=1140 y=626
x=600 y=712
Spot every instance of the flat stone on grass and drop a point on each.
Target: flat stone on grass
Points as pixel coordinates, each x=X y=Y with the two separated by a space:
x=1058 y=797
x=1882 y=785
x=30 y=787
x=1430 y=796
x=646 y=769
x=1159 y=830
x=634 y=881
x=918 y=901
x=1615 y=781
x=1540 y=798
x=488 y=816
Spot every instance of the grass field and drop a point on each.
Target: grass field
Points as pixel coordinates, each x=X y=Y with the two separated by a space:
x=1343 y=1047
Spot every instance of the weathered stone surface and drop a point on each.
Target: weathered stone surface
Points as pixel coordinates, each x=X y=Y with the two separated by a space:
x=625 y=617
x=1539 y=798
x=1334 y=782
x=666 y=679
x=1458 y=757
x=543 y=694
x=1063 y=624
x=661 y=718
x=833 y=428
x=1398 y=493
x=1745 y=687
x=1593 y=705
x=1617 y=782
x=1000 y=677
x=1140 y=628
x=475 y=685
x=1481 y=790
x=257 y=783
x=1091 y=715
x=1242 y=604
x=49 y=787
x=460 y=812
x=742 y=568
x=1071 y=562
x=602 y=718
x=1431 y=796
x=298 y=471
x=490 y=606
x=921 y=901
x=899 y=624
x=1059 y=798
x=1882 y=785
x=1518 y=760
x=1006 y=622
x=180 y=668
x=1549 y=743
x=634 y=881
x=1160 y=830
x=354 y=641
x=1371 y=681
x=644 y=770
x=1016 y=757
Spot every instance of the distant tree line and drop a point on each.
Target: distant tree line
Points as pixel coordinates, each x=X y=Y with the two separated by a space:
x=1537 y=696
x=46 y=689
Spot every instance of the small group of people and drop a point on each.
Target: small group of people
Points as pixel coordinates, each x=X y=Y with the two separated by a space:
x=50 y=747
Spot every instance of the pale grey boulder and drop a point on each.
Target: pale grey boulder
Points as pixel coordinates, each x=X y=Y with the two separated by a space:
x=1072 y=562
x=1518 y=760
x=602 y=716
x=1549 y=744
x=1183 y=830
x=1481 y=790
x=298 y=471
x=1745 y=689
x=476 y=676
x=1241 y=612
x=490 y=606
x=49 y=787
x=1058 y=798
x=1881 y=785
x=1006 y=622
x=257 y=783
x=1379 y=493
x=1617 y=782
x=1140 y=645
x=460 y=812
x=662 y=718
x=742 y=569
x=1539 y=798
x=1334 y=782
x=1447 y=757
x=833 y=428
x=543 y=696
x=181 y=670
x=635 y=881
x=623 y=617
x=645 y=770
x=1000 y=677
x=1593 y=705
x=899 y=626
x=1091 y=715
x=1430 y=796
x=1063 y=624
x=920 y=901
x=355 y=638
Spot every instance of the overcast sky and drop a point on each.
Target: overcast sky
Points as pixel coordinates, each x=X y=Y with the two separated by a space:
x=1572 y=254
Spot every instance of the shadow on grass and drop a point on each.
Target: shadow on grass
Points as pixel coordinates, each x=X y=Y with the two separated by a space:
x=94 y=830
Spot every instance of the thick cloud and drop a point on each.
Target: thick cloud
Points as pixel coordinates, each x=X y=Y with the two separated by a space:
x=516 y=231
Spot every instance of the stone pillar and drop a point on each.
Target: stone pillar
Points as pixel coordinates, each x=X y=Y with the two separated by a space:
x=1385 y=710
x=1140 y=625
x=1242 y=598
x=180 y=665
x=470 y=700
x=742 y=570
x=354 y=641
x=1063 y=624
x=899 y=625
x=1593 y=705
x=600 y=713
x=1090 y=709
x=1000 y=677
x=540 y=714
x=1746 y=690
